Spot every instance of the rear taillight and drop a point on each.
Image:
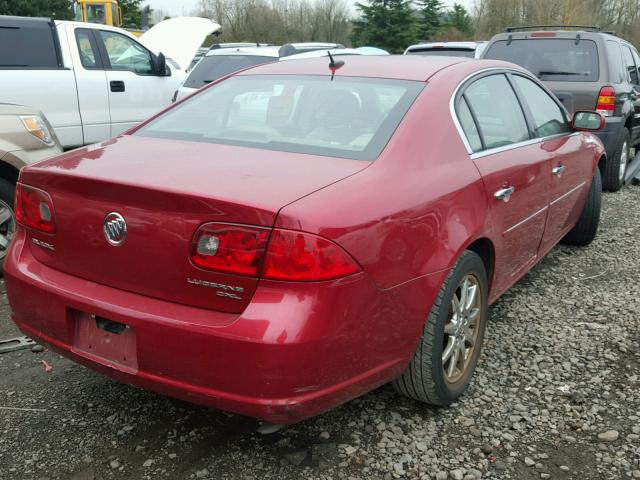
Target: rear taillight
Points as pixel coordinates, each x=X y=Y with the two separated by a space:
x=299 y=256
x=229 y=248
x=34 y=209
x=606 y=101
x=284 y=255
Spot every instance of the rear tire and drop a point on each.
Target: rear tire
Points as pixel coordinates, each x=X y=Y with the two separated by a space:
x=7 y=218
x=585 y=230
x=430 y=377
x=615 y=168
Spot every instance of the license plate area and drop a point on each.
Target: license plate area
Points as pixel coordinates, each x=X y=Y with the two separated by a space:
x=105 y=341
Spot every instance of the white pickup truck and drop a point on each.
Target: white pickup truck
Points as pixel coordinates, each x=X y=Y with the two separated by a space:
x=93 y=82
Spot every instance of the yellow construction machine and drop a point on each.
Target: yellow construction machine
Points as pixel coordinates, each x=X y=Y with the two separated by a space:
x=105 y=12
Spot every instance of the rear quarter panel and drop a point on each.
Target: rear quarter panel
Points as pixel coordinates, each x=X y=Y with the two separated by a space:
x=414 y=210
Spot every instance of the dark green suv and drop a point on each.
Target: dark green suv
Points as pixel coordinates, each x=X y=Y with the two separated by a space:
x=587 y=69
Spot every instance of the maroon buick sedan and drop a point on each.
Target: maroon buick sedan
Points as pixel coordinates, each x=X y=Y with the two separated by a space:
x=296 y=235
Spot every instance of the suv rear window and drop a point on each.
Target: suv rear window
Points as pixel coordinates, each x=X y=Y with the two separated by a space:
x=349 y=117
x=27 y=44
x=443 y=52
x=551 y=59
x=213 y=67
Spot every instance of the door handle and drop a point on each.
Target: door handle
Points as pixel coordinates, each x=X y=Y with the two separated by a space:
x=504 y=193
x=558 y=170
x=116 y=85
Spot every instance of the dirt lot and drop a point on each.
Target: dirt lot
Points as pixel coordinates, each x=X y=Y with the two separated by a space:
x=557 y=395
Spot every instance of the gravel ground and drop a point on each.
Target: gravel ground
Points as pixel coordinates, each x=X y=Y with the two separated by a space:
x=556 y=395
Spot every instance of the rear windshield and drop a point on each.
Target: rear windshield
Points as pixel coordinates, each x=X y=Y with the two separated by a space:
x=213 y=67
x=551 y=59
x=348 y=117
x=28 y=46
x=444 y=52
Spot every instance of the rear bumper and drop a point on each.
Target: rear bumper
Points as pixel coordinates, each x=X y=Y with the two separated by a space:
x=296 y=351
x=610 y=134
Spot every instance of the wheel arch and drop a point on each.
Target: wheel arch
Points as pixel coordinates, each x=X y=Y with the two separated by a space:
x=602 y=163
x=485 y=249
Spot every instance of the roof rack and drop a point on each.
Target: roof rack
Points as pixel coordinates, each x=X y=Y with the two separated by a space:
x=591 y=28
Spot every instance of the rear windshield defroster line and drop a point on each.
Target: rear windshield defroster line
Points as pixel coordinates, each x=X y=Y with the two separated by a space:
x=349 y=117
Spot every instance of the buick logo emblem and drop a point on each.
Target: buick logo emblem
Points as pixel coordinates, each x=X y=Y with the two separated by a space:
x=115 y=229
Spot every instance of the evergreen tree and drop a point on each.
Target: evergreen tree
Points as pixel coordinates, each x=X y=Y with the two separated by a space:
x=131 y=13
x=460 y=20
x=60 y=9
x=388 y=24
x=430 y=18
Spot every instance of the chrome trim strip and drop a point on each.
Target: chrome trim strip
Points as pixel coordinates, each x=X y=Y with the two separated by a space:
x=522 y=222
x=491 y=151
x=526 y=143
x=577 y=187
x=511 y=146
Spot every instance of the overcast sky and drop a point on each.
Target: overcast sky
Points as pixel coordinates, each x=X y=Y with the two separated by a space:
x=185 y=7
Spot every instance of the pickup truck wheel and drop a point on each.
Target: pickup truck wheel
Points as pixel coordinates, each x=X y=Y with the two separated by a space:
x=585 y=230
x=7 y=219
x=448 y=350
x=616 y=166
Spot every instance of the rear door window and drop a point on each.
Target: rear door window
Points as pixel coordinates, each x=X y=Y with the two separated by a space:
x=548 y=118
x=469 y=126
x=87 y=49
x=551 y=59
x=498 y=113
x=616 y=65
x=214 y=67
x=28 y=44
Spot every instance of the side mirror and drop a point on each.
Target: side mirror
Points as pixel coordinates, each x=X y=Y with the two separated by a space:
x=160 y=65
x=586 y=121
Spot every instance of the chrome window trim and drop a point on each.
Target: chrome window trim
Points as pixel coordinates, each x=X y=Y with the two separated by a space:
x=513 y=146
x=490 y=151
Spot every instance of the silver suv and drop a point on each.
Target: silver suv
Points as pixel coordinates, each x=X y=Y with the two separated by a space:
x=25 y=138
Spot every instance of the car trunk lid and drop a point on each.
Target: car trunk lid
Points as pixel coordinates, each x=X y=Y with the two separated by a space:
x=165 y=190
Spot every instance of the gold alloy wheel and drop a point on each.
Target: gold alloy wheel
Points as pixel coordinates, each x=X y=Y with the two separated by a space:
x=462 y=330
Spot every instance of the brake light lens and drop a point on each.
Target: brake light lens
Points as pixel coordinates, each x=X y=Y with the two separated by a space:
x=543 y=34
x=299 y=256
x=606 y=101
x=285 y=255
x=235 y=249
x=34 y=209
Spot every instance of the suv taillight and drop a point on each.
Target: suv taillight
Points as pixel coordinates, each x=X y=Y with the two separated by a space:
x=34 y=209
x=606 y=101
x=276 y=255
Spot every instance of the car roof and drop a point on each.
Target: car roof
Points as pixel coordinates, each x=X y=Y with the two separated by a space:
x=399 y=67
x=323 y=53
x=271 y=51
x=458 y=45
